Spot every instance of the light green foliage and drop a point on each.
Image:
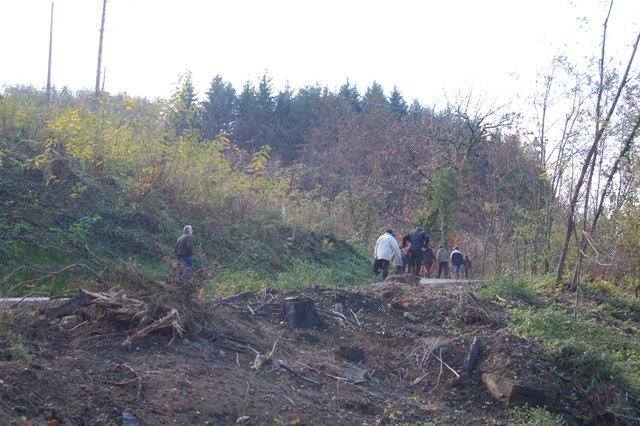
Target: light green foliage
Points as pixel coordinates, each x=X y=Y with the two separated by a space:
x=296 y=273
x=519 y=286
x=306 y=274
x=231 y=282
x=536 y=416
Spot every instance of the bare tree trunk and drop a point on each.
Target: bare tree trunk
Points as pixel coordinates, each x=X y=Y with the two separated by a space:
x=602 y=124
x=104 y=11
x=50 y=53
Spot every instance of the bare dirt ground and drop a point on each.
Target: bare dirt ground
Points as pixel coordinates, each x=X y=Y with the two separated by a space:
x=387 y=353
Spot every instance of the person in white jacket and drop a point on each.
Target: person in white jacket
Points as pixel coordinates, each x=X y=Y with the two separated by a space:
x=387 y=248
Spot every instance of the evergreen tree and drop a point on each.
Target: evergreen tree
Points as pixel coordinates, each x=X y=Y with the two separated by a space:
x=350 y=96
x=374 y=99
x=263 y=115
x=245 y=131
x=396 y=102
x=287 y=133
x=219 y=107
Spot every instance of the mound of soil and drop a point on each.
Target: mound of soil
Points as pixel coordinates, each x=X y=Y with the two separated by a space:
x=388 y=353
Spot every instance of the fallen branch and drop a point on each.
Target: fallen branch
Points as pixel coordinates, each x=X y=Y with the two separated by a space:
x=337 y=315
x=439 y=373
x=69 y=307
x=262 y=360
x=295 y=373
x=46 y=275
x=139 y=381
x=172 y=319
x=355 y=316
x=228 y=343
x=439 y=358
x=233 y=298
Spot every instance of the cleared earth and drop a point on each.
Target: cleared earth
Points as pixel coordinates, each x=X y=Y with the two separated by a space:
x=387 y=353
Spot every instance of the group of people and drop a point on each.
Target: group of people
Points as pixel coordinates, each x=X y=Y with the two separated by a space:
x=416 y=256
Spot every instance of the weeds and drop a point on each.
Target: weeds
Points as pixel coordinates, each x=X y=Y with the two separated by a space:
x=12 y=349
x=536 y=416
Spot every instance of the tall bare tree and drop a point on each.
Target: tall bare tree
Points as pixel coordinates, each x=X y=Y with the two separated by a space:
x=603 y=117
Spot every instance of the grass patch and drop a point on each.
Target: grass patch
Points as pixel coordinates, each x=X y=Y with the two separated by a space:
x=298 y=274
x=612 y=300
x=593 y=351
x=604 y=360
x=519 y=286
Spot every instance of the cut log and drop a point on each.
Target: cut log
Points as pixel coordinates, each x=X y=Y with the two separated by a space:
x=474 y=353
x=69 y=307
x=301 y=313
x=510 y=393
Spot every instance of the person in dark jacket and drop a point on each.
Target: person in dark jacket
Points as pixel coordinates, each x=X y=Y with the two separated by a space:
x=466 y=265
x=418 y=241
x=184 y=252
x=457 y=260
x=427 y=261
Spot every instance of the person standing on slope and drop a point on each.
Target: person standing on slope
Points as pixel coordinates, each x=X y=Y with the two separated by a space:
x=418 y=242
x=184 y=253
x=427 y=262
x=386 y=248
x=443 y=262
x=466 y=265
x=456 y=260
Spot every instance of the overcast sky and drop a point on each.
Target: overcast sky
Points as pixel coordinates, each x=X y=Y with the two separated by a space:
x=424 y=47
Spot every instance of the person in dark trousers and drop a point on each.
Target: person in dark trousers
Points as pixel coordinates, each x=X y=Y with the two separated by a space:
x=443 y=262
x=418 y=241
x=466 y=259
x=427 y=262
x=457 y=259
x=386 y=248
x=184 y=253
x=405 y=260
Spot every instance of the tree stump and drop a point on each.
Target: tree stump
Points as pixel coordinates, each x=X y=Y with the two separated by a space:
x=300 y=313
